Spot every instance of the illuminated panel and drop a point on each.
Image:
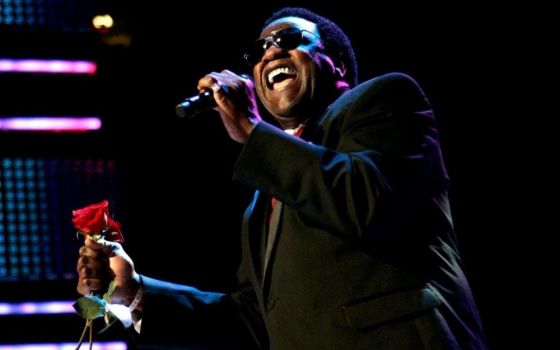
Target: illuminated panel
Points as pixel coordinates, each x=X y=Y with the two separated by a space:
x=50 y=124
x=37 y=195
x=47 y=66
x=37 y=308
x=48 y=15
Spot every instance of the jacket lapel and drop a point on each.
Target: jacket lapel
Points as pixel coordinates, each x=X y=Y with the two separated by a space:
x=255 y=226
x=272 y=236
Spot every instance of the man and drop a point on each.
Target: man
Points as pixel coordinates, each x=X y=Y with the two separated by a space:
x=348 y=242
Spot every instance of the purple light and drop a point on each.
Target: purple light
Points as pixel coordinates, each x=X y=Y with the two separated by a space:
x=48 y=66
x=65 y=346
x=36 y=308
x=28 y=308
x=50 y=124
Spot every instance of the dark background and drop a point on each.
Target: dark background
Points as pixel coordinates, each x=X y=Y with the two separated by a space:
x=178 y=206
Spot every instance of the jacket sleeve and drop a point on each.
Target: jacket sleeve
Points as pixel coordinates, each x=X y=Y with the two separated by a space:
x=374 y=157
x=179 y=316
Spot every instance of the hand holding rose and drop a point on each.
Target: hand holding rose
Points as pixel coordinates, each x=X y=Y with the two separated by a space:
x=102 y=258
x=101 y=262
x=104 y=268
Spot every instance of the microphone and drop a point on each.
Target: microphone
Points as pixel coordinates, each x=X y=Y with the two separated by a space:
x=191 y=106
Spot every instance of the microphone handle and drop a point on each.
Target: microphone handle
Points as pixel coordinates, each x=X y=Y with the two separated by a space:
x=195 y=104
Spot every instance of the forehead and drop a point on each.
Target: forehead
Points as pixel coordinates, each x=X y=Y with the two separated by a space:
x=287 y=22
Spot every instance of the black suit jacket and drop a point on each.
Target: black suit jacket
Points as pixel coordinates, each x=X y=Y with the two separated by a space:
x=361 y=248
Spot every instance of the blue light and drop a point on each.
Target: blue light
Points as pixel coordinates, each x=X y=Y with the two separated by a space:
x=36 y=236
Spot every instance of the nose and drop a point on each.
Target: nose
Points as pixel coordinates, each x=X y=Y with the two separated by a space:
x=273 y=52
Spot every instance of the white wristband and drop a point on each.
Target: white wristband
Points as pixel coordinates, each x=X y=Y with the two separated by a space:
x=137 y=298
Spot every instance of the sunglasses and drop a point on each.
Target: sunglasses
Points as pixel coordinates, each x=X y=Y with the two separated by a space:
x=285 y=39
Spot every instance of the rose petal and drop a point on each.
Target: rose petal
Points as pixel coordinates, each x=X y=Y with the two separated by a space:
x=95 y=219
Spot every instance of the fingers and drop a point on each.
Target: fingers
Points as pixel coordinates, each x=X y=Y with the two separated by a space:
x=93 y=271
x=88 y=285
x=236 y=76
x=107 y=247
x=232 y=92
x=93 y=265
x=206 y=82
x=236 y=102
x=226 y=82
x=101 y=262
x=92 y=261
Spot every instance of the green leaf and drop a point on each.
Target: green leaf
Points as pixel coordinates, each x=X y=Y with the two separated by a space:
x=90 y=307
x=111 y=288
x=117 y=312
x=110 y=291
x=95 y=236
x=110 y=319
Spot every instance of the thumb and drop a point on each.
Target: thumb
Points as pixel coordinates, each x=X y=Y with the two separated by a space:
x=108 y=247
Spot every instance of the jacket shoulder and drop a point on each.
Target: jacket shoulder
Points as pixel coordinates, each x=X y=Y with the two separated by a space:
x=394 y=89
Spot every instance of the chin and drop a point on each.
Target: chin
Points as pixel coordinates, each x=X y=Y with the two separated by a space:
x=292 y=103
x=289 y=115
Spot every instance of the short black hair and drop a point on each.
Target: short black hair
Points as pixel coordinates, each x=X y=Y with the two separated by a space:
x=335 y=40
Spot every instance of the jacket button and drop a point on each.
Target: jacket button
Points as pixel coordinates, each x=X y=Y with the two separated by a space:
x=270 y=303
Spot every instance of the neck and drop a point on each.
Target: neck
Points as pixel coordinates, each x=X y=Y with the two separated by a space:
x=291 y=123
x=313 y=111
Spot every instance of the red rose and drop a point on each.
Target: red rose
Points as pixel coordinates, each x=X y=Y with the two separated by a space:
x=95 y=220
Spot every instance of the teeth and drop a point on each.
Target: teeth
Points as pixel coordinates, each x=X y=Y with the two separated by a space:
x=275 y=72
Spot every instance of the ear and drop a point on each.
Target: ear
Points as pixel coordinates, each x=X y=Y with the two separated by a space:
x=341 y=71
x=340 y=68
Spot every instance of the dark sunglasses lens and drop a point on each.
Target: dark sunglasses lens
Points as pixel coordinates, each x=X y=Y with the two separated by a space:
x=286 y=39
x=289 y=40
x=254 y=52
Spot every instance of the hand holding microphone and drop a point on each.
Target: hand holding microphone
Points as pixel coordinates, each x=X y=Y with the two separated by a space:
x=193 y=105
x=234 y=97
x=196 y=104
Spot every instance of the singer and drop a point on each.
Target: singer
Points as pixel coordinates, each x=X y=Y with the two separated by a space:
x=348 y=243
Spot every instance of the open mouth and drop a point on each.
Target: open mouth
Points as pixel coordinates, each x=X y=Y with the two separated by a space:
x=280 y=77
